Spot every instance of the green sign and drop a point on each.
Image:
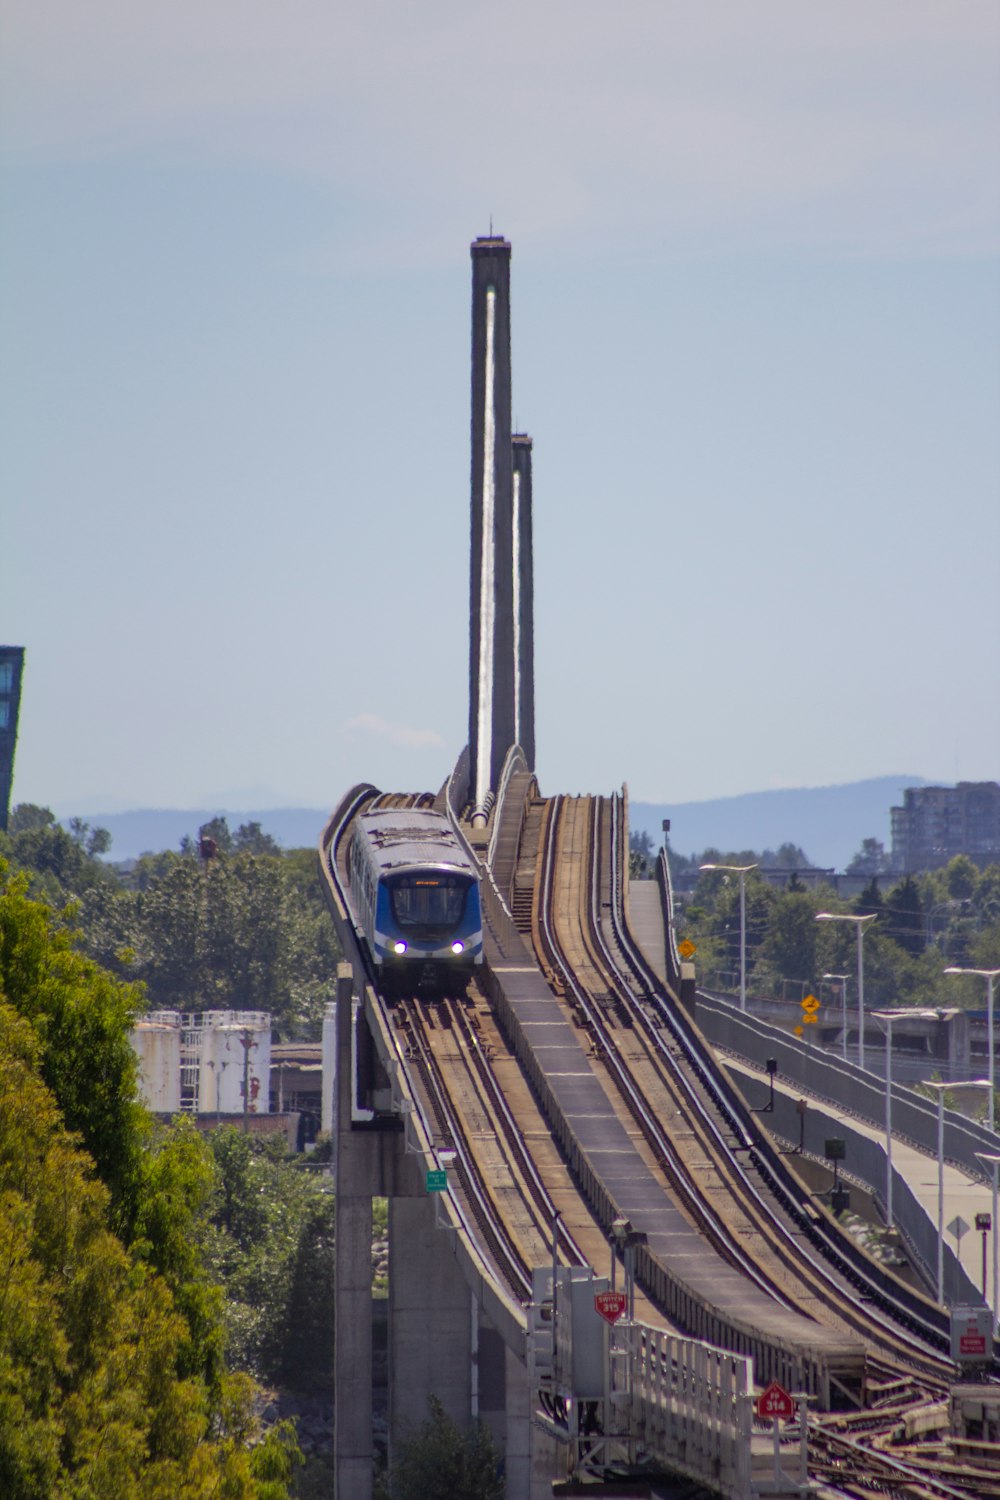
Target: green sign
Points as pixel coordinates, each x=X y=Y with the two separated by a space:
x=437 y=1182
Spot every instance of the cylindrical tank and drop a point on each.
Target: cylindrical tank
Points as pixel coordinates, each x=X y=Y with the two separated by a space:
x=235 y=1052
x=156 y=1041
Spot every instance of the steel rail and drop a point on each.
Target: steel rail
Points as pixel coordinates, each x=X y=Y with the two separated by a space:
x=505 y=1252
x=516 y=1144
x=701 y=1212
x=894 y=1306
x=757 y=1204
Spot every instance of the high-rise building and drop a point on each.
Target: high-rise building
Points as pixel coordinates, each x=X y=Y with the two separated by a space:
x=11 y=669
x=937 y=822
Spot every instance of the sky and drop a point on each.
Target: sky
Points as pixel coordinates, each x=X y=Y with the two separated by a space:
x=756 y=324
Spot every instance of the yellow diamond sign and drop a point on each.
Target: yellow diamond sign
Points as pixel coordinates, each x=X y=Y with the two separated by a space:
x=810 y=1004
x=687 y=949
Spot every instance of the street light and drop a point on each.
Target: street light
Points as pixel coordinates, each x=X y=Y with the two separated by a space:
x=940 y=1088
x=991 y=1159
x=742 y=871
x=842 y=979
x=989 y=975
x=885 y=1019
x=859 y=922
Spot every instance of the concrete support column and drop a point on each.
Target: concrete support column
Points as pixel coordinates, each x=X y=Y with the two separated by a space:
x=353 y=1275
x=430 y=1333
x=491 y=640
x=524 y=613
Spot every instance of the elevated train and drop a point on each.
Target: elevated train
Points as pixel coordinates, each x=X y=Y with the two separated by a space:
x=415 y=894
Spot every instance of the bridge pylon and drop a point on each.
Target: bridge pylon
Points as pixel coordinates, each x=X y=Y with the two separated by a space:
x=501 y=621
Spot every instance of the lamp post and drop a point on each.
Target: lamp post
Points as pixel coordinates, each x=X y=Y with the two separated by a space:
x=989 y=975
x=742 y=871
x=992 y=1160
x=940 y=1089
x=885 y=1019
x=842 y=980
x=859 y=923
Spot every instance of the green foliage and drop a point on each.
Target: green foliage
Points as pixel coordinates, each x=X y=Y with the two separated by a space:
x=871 y=859
x=27 y=816
x=784 y=942
x=441 y=1462
x=111 y=1376
x=270 y=1241
x=904 y=917
x=789 y=946
x=250 y=838
x=870 y=902
x=240 y=932
x=81 y=1017
x=961 y=877
x=247 y=930
x=94 y=1398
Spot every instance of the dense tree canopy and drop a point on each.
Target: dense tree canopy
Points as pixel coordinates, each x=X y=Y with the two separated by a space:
x=920 y=927
x=111 y=1377
x=246 y=929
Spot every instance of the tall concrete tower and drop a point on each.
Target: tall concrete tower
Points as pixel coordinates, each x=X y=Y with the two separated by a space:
x=524 y=613
x=491 y=655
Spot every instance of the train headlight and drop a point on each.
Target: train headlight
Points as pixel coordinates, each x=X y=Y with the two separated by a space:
x=399 y=947
x=457 y=947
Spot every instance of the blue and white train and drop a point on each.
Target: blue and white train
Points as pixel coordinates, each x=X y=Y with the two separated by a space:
x=415 y=894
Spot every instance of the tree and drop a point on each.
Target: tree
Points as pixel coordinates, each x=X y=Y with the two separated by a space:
x=870 y=903
x=250 y=838
x=789 y=947
x=81 y=1017
x=871 y=859
x=904 y=917
x=961 y=877
x=441 y=1462
x=95 y=1400
x=27 y=815
x=270 y=1240
x=93 y=841
x=217 y=829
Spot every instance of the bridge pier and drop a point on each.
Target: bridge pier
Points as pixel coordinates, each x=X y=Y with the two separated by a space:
x=441 y=1339
x=352 y=1356
x=432 y=1342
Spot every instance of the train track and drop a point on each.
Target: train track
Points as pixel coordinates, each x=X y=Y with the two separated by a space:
x=513 y=1190
x=701 y=1153
x=516 y=1207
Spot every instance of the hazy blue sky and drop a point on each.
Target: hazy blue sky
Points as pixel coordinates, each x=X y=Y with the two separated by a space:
x=756 y=321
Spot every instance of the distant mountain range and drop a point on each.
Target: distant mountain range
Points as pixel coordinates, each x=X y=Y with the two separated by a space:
x=828 y=822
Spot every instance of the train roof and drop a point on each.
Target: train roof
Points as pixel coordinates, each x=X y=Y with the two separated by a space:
x=402 y=836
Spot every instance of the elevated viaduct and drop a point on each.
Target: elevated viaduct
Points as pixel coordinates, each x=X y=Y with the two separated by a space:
x=562 y=1129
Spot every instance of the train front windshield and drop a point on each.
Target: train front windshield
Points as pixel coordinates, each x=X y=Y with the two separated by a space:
x=429 y=905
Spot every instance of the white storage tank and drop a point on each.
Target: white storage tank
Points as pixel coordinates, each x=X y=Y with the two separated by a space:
x=235 y=1046
x=156 y=1041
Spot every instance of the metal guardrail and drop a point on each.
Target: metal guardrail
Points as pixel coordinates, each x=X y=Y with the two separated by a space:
x=693 y=1402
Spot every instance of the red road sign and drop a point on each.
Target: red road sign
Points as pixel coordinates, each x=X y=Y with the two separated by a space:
x=775 y=1402
x=610 y=1305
